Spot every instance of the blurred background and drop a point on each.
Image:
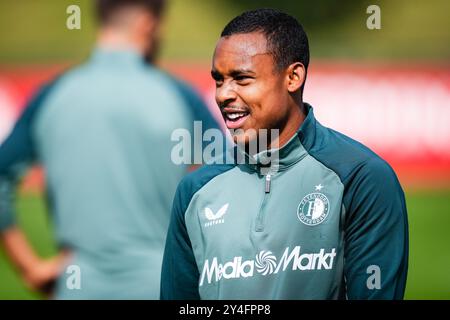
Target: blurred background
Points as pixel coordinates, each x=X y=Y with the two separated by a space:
x=388 y=88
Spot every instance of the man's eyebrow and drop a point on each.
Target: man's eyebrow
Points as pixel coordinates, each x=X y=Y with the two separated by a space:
x=216 y=74
x=233 y=73
x=238 y=72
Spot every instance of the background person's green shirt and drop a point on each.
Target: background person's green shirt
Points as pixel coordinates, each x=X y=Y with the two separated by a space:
x=102 y=131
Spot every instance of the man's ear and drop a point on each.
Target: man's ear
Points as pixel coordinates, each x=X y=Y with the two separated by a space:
x=295 y=76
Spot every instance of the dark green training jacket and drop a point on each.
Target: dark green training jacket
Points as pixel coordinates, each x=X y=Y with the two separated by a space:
x=329 y=222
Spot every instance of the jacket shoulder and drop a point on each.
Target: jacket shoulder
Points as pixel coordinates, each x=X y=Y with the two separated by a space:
x=344 y=155
x=197 y=179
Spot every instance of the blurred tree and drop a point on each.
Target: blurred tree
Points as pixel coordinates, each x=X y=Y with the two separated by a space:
x=35 y=30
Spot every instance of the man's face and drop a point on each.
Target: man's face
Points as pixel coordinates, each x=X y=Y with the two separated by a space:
x=250 y=92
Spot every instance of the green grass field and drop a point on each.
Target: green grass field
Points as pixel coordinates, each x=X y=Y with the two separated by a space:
x=429 y=264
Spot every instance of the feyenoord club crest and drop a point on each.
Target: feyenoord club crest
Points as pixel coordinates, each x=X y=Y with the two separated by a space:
x=313 y=209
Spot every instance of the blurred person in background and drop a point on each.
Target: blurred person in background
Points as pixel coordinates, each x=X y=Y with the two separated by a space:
x=102 y=132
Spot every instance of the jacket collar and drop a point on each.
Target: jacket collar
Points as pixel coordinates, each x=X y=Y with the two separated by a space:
x=116 y=57
x=289 y=154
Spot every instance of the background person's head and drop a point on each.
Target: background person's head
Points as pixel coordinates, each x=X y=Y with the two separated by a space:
x=260 y=65
x=131 y=23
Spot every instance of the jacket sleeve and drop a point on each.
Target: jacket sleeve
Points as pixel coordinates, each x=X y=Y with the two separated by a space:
x=376 y=234
x=180 y=275
x=17 y=153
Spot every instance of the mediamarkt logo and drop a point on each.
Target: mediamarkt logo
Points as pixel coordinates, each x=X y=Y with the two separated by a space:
x=266 y=263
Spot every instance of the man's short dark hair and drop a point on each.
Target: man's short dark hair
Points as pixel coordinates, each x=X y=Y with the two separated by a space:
x=286 y=39
x=106 y=8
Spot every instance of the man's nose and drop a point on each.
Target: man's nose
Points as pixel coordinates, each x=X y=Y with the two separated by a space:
x=225 y=94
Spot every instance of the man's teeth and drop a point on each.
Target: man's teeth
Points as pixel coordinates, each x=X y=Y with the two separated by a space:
x=233 y=116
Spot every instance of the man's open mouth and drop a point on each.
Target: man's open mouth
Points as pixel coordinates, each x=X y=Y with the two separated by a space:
x=235 y=118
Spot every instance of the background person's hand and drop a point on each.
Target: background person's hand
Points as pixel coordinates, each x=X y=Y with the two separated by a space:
x=42 y=275
x=39 y=274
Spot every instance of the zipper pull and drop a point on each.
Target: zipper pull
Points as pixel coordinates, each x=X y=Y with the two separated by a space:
x=268 y=183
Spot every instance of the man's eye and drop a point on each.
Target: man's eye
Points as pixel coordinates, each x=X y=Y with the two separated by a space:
x=242 y=79
x=219 y=83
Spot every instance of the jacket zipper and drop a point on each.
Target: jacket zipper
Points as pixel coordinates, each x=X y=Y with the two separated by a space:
x=268 y=183
x=259 y=226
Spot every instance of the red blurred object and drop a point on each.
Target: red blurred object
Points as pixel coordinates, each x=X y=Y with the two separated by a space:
x=402 y=112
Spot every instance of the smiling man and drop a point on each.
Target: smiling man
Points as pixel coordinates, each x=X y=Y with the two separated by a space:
x=244 y=72
x=326 y=219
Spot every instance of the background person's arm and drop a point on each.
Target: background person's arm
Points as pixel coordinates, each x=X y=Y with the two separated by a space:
x=37 y=273
x=17 y=153
x=201 y=114
x=376 y=234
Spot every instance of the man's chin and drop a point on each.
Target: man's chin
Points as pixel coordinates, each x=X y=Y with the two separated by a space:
x=255 y=141
x=241 y=139
x=244 y=140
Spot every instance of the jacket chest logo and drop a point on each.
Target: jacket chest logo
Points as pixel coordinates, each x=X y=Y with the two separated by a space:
x=313 y=209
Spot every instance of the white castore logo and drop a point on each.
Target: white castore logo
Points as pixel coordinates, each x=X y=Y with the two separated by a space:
x=215 y=218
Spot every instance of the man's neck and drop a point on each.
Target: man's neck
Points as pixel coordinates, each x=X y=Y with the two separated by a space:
x=115 y=40
x=295 y=120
